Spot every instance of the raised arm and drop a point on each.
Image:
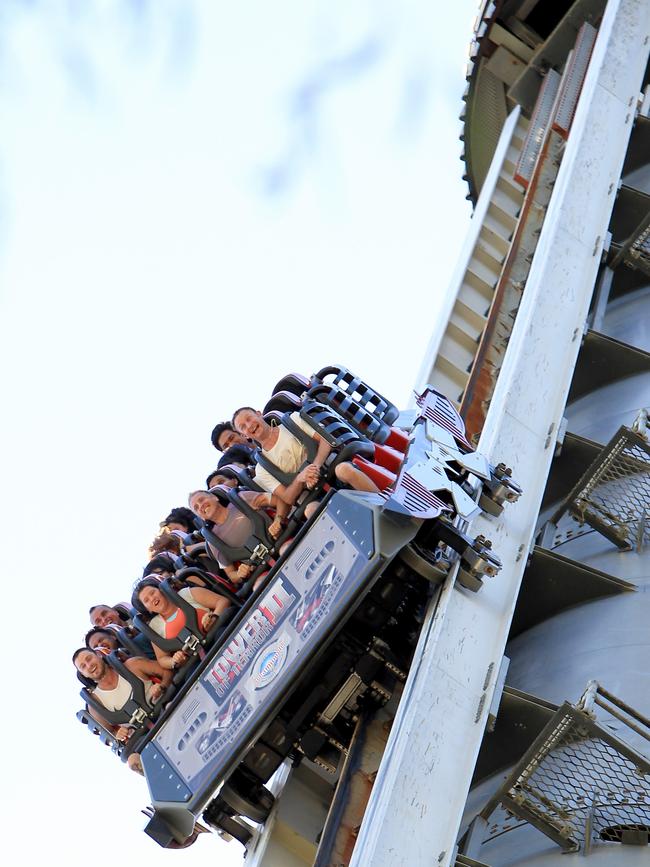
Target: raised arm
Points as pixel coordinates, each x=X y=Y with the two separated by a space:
x=324 y=450
x=209 y=599
x=147 y=668
x=167 y=661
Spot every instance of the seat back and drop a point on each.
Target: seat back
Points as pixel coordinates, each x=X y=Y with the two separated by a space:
x=355 y=413
x=242 y=476
x=282 y=401
x=127 y=642
x=96 y=728
x=328 y=423
x=295 y=383
x=365 y=396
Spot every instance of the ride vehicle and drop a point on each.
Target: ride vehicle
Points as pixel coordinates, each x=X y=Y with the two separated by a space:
x=327 y=627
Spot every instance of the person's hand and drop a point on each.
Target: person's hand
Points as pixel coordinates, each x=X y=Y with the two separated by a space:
x=208 y=620
x=244 y=571
x=179 y=658
x=156 y=691
x=275 y=529
x=310 y=475
x=123 y=733
x=135 y=763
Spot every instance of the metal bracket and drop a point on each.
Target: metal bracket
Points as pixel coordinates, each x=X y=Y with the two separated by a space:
x=191 y=644
x=138 y=717
x=260 y=552
x=561 y=433
x=496 y=695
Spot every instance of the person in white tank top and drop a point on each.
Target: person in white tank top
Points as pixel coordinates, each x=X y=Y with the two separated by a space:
x=280 y=446
x=112 y=690
x=117 y=697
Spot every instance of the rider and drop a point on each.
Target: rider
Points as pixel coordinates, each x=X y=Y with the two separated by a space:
x=282 y=448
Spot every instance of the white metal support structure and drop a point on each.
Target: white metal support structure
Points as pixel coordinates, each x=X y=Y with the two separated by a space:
x=417 y=801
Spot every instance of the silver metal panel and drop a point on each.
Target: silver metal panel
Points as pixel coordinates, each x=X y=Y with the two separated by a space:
x=626 y=318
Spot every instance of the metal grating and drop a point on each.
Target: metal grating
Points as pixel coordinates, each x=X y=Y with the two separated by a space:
x=577 y=783
x=613 y=496
x=538 y=128
x=572 y=79
x=638 y=255
x=635 y=249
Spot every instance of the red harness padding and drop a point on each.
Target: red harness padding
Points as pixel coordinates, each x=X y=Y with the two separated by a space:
x=177 y=621
x=381 y=477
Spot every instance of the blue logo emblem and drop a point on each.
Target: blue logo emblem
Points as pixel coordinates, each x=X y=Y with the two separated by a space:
x=269 y=663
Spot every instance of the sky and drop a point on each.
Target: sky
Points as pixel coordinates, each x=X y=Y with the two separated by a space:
x=196 y=198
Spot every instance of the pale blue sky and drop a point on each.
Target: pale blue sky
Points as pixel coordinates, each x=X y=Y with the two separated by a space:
x=195 y=198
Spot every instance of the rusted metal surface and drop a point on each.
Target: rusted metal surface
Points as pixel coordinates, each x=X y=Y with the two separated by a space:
x=503 y=311
x=355 y=784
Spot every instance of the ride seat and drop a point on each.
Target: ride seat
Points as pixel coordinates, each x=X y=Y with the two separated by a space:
x=242 y=476
x=360 y=392
x=282 y=401
x=125 y=637
x=294 y=383
x=97 y=729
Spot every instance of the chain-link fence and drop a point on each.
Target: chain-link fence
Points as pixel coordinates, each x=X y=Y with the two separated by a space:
x=577 y=784
x=613 y=496
x=638 y=253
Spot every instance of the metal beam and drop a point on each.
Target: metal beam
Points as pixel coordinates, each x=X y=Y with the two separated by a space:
x=553 y=51
x=553 y=583
x=521 y=718
x=416 y=806
x=604 y=360
x=574 y=458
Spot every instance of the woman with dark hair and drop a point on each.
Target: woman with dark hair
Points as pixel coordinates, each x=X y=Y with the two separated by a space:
x=180 y=519
x=161 y=565
x=169 y=619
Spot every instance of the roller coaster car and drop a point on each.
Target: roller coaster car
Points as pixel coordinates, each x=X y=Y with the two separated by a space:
x=333 y=625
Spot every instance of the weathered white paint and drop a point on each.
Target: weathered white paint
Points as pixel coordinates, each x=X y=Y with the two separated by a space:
x=417 y=801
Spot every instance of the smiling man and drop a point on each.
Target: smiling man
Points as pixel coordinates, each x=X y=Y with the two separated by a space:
x=288 y=454
x=224 y=436
x=118 y=616
x=111 y=689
